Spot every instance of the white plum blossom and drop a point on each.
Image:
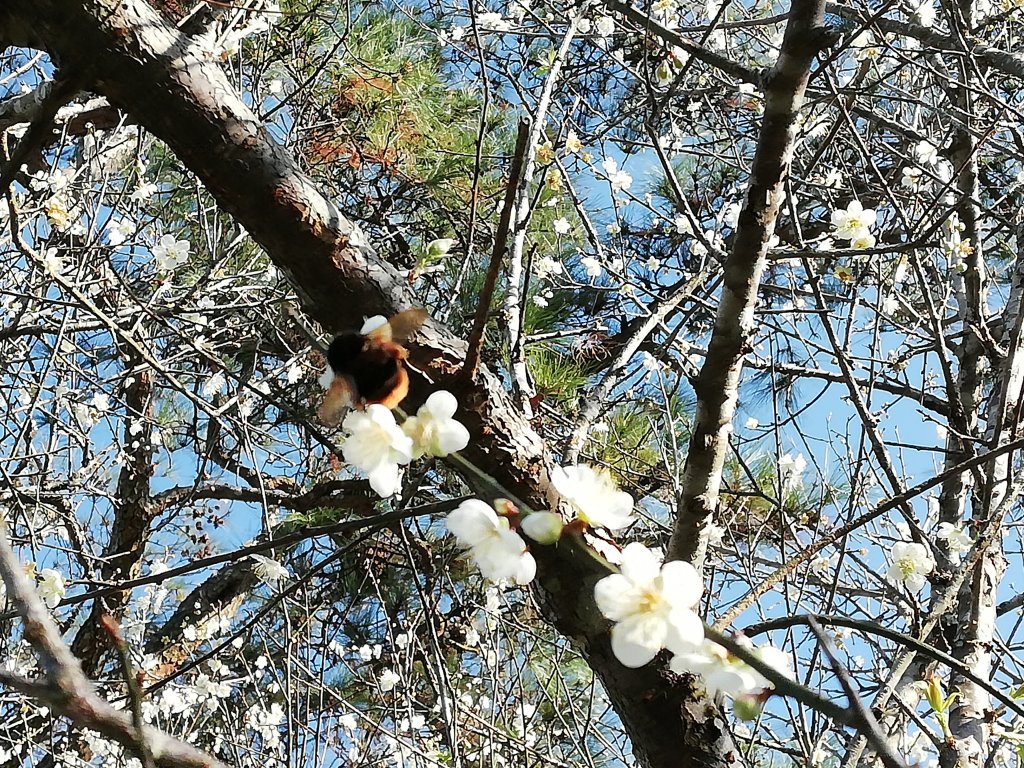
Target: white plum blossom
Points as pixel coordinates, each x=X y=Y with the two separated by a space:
x=957 y=539
x=864 y=47
x=546 y=266
x=593 y=495
x=51 y=587
x=722 y=672
x=208 y=690
x=926 y=152
x=143 y=192
x=605 y=25
x=492 y=21
x=377 y=446
x=561 y=226
x=833 y=179
x=652 y=605
x=266 y=722
x=618 y=178
x=925 y=13
x=214 y=385
x=499 y=552
x=822 y=565
x=294 y=373
x=863 y=240
x=269 y=570
x=388 y=680
x=120 y=230
x=170 y=252
x=854 y=222
x=911 y=178
x=433 y=430
x=592 y=266
x=790 y=470
x=52 y=261
x=910 y=563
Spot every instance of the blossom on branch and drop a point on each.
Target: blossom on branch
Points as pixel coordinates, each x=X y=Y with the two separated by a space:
x=855 y=222
x=377 y=446
x=957 y=540
x=170 y=252
x=721 y=672
x=51 y=587
x=499 y=552
x=911 y=562
x=592 y=493
x=269 y=570
x=433 y=431
x=651 y=604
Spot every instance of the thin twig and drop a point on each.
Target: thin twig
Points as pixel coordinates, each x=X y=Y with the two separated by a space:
x=476 y=336
x=868 y=726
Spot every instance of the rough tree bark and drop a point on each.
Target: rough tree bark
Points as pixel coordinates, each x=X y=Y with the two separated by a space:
x=127 y=52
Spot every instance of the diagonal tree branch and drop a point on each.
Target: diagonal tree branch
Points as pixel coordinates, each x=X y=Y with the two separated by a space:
x=67 y=690
x=717 y=385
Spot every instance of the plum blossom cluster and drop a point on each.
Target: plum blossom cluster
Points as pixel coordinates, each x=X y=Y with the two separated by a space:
x=379 y=447
x=652 y=605
x=488 y=532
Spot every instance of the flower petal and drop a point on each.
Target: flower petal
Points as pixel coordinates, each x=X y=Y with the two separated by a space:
x=681 y=583
x=638 y=639
x=472 y=522
x=616 y=597
x=385 y=479
x=442 y=404
x=639 y=564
